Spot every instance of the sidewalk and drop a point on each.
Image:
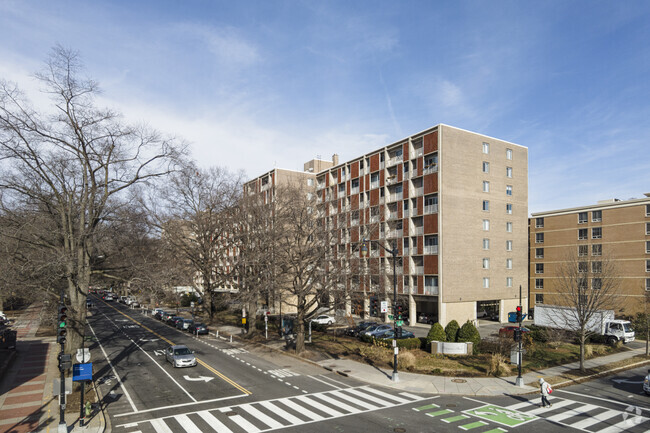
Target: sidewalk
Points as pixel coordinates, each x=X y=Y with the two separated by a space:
x=474 y=386
x=27 y=403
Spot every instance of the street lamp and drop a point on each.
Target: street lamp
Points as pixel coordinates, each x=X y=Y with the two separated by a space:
x=393 y=252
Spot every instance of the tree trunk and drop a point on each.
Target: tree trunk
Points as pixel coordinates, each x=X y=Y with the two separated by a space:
x=251 y=319
x=582 y=350
x=300 y=333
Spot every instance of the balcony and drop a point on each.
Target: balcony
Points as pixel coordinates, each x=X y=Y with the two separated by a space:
x=416 y=153
x=431 y=249
x=395 y=234
x=354 y=190
x=417 y=270
x=432 y=168
x=417 y=231
x=432 y=208
x=417 y=192
x=395 y=197
x=431 y=290
x=392 y=215
x=394 y=160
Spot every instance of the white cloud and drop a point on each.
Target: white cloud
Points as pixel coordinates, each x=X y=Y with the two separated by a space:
x=226 y=44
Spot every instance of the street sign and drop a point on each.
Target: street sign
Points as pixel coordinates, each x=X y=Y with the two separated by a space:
x=83 y=355
x=399 y=322
x=390 y=317
x=56 y=386
x=82 y=372
x=384 y=306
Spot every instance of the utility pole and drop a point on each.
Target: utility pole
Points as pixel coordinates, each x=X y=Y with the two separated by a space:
x=60 y=338
x=520 y=379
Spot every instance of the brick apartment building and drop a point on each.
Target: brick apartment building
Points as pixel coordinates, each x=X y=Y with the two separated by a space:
x=613 y=230
x=453 y=202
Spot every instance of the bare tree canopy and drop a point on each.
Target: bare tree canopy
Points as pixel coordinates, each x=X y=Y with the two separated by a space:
x=68 y=166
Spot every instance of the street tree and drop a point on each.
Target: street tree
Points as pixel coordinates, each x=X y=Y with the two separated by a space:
x=194 y=213
x=69 y=165
x=587 y=285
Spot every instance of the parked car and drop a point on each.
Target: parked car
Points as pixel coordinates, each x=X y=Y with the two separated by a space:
x=198 y=328
x=509 y=331
x=167 y=315
x=109 y=297
x=360 y=327
x=184 y=324
x=377 y=329
x=156 y=312
x=180 y=356
x=122 y=299
x=390 y=333
x=134 y=303
x=646 y=384
x=172 y=320
x=323 y=319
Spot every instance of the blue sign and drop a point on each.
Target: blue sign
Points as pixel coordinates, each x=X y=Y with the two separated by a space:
x=82 y=372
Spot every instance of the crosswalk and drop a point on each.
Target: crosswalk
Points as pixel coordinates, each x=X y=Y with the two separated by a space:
x=587 y=417
x=275 y=414
x=283 y=372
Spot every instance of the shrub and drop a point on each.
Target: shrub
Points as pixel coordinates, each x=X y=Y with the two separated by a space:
x=467 y=333
x=451 y=330
x=436 y=333
x=498 y=365
x=406 y=360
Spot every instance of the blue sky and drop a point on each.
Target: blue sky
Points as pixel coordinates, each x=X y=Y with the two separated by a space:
x=260 y=84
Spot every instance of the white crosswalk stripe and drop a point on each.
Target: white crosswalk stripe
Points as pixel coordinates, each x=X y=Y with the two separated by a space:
x=282 y=413
x=283 y=372
x=584 y=416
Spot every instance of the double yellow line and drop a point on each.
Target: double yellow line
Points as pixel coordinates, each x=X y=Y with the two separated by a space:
x=212 y=369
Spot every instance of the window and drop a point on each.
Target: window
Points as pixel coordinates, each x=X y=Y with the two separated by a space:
x=341 y=188
x=508 y=281
x=596 y=267
x=539 y=253
x=597 y=215
x=582 y=267
x=582 y=217
x=486 y=167
x=355 y=184
x=539 y=283
x=509 y=227
x=431 y=244
x=310 y=182
x=486 y=225
x=486 y=205
x=596 y=283
x=647 y=247
x=486 y=244
x=508 y=153
x=430 y=285
x=539 y=222
x=597 y=233
x=647 y=284
x=647 y=265
x=486 y=186
x=647 y=210
x=597 y=250
x=539 y=238
x=374 y=180
x=647 y=228
x=508 y=245
x=486 y=147
x=539 y=298
x=582 y=234
x=431 y=204
x=430 y=164
x=508 y=263
x=486 y=263
x=508 y=189
x=508 y=171
x=509 y=208
x=583 y=250
x=539 y=268
x=486 y=283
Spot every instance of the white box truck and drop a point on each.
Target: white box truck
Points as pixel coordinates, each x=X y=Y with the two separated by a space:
x=602 y=322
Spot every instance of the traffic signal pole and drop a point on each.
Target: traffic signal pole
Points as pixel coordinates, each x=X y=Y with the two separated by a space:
x=60 y=338
x=520 y=379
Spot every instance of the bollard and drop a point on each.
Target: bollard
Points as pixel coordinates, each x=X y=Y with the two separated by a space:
x=231 y=338
x=216 y=334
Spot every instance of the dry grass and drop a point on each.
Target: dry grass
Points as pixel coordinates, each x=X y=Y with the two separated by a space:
x=499 y=365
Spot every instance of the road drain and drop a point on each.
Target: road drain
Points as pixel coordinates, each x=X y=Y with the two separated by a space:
x=231 y=413
x=459 y=380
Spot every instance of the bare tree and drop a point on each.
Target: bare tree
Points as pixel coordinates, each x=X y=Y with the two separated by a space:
x=587 y=285
x=194 y=213
x=69 y=164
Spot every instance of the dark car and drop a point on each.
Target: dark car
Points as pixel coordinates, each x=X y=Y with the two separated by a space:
x=354 y=331
x=389 y=334
x=184 y=324
x=167 y=315
x=509 y=331
x=198 y=328
x=372 y=331
x=172 y=320
x=159 y=314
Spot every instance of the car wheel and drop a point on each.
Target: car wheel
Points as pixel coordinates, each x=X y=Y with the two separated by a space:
x=611 y=341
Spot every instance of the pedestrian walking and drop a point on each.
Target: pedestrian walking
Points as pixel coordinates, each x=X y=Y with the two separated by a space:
x=545 y=389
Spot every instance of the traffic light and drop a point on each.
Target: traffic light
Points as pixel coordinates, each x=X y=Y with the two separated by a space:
x=61 y=332
x=399 y=312
x=398 y=332
x=65 y=361
x=373 y=307
x=519 y=315
x=517 y=334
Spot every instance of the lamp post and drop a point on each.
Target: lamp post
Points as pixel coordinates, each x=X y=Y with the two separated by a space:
x=393 y=252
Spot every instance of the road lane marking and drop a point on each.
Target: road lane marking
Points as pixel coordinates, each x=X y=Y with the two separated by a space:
x=174 y=406
x=126 y=393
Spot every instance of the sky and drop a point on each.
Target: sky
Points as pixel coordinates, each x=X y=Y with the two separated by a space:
x=255 y=85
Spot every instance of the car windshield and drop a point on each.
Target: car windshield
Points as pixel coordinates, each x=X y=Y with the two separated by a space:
x=182 y=351
x=628 y=327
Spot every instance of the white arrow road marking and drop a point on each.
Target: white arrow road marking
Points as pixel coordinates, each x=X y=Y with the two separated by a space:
x=159 y=352
x=195 y=379
x=148 y=339
x=626 y=381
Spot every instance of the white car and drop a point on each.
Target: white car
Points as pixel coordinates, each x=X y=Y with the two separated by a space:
x=646 y=384
x=324 y=319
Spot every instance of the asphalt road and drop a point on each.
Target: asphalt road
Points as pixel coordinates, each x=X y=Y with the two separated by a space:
x=237 y=388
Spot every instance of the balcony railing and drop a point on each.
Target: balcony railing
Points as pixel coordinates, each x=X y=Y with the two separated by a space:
x=431 y=208
x=392 y=215
x=417 y=153
x=395 y=197
x=431 y=249
x=417 y=270
x=354 y=190
x=417 y=230
x=394 y=160
x=418 y=191
x=432 y=168
x=395 y=234
x=431 y=290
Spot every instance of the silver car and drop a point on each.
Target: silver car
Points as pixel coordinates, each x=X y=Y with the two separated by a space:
x=180 y=356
